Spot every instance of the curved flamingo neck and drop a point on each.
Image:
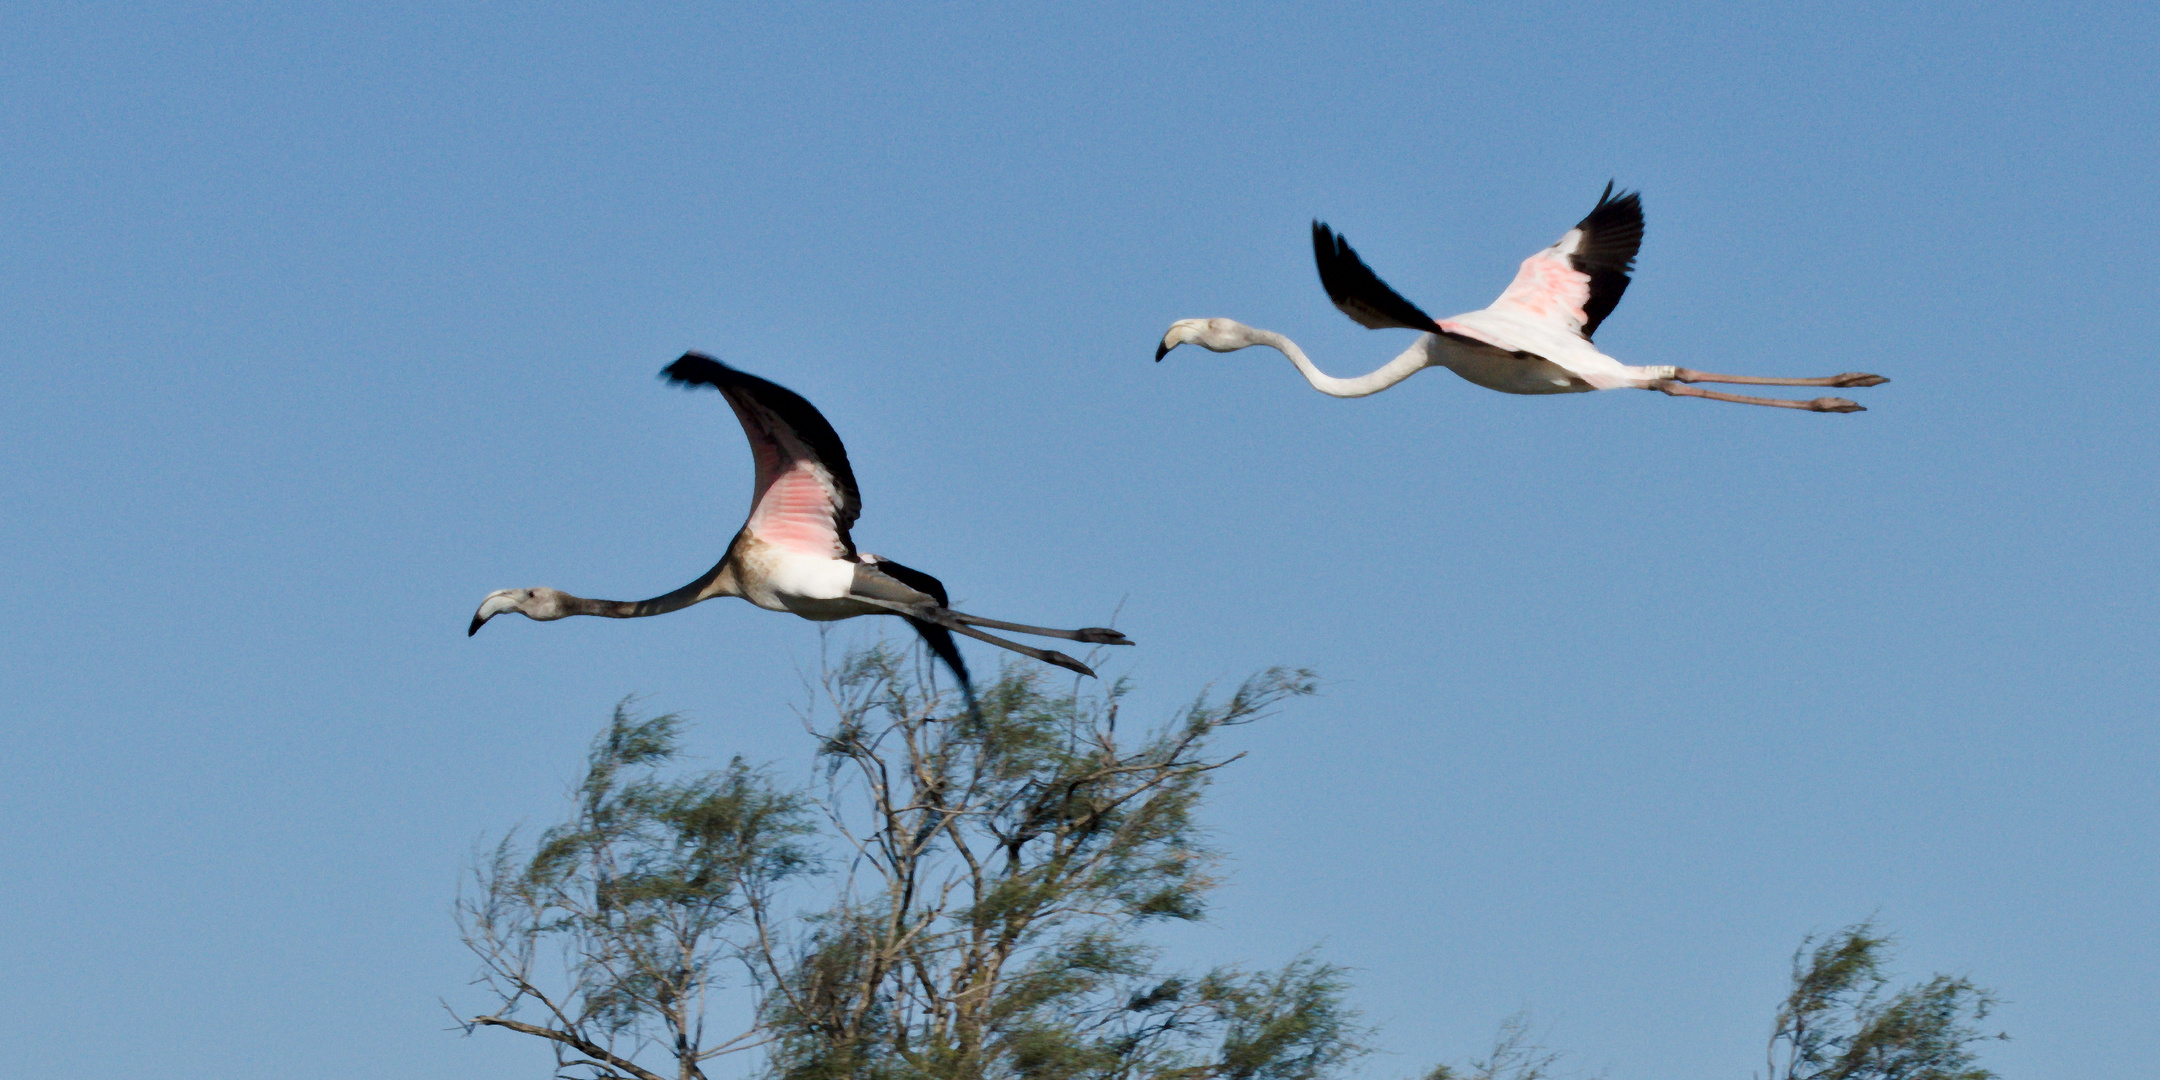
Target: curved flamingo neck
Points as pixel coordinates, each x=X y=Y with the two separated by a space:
x=1410 y=362
x=718 y=581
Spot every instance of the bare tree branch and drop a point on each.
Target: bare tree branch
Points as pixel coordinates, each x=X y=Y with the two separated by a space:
x=582 y=1046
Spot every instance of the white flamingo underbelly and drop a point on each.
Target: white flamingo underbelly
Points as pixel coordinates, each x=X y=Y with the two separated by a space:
x=812 y=586
x=1561 y=362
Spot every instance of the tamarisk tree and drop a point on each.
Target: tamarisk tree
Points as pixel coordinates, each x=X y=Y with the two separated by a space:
x=609 y=935
x=960 y=893
x=964 y=893
x=1842 y=1021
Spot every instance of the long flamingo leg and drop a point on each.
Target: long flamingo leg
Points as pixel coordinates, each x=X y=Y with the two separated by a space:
x=950 y=620
x=1821 y=404
x=1850 y=378
x=1047 y=656
x=1093 y=635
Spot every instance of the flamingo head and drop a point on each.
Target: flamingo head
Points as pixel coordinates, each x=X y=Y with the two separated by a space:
x=542 y=603
x=1218 y=335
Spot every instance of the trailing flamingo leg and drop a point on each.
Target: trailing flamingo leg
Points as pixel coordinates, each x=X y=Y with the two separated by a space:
x=1850 y=378
x=1047 y=656
x=1821 y=404
x=1093 y=635
x=950 y=620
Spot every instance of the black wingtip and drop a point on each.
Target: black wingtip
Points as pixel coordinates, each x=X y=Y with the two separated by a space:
x=1326 y=250
x=1615 y=230
x=475 y=627
x=940 y=641
x=1618 y=209
x=1358 y=292
x=695 y=369
x=1160 y=352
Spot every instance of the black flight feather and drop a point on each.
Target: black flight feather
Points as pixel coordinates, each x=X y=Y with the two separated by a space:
x=937 y=637
x=1358 y=291
x=1612 y=234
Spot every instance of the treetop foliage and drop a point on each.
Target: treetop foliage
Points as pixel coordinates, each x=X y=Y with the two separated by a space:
x=960 y=894
x=1842 y=1022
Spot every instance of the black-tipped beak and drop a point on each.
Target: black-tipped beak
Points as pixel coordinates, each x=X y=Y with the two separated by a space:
x=1160 y=352
x=475 y=627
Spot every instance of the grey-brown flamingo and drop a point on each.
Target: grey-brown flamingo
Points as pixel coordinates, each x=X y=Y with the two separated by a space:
x=794 y=554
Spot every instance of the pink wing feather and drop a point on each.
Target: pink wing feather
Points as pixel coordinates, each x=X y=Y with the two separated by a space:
x=1549 y=288
x=1577 y=282
x=805 y=499
x=1571 y=285
x=796 y=505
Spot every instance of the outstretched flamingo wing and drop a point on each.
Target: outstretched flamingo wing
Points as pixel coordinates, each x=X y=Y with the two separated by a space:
x=1359 y=292
x=1578 y=281
x=1369 y=301
x=805 y=499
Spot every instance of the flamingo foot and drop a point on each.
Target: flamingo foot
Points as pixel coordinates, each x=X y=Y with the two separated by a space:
x=1052 y=656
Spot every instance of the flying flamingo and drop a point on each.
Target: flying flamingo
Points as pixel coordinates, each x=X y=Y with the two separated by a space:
x=794 y=554
x=1535 y=339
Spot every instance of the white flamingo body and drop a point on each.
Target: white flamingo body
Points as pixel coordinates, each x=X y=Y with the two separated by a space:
x=1558 y=364
x=812 y=586
x=794 y=554
x=1533 y=339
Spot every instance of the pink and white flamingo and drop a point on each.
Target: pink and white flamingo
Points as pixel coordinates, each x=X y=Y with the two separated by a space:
x=794 y=554
x=1535 y=339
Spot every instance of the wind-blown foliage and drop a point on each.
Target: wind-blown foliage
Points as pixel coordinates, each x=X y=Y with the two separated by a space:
x=1004 y=861
x=631 y=902
x=1841 y=1023
x=993 y=874
x=1515 y=1055
x=964 y=894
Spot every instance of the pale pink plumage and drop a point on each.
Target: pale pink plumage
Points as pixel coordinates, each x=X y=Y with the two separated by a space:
x=1533 y=339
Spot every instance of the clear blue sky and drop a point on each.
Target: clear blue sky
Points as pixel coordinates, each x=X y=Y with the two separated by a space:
x=319 y=322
